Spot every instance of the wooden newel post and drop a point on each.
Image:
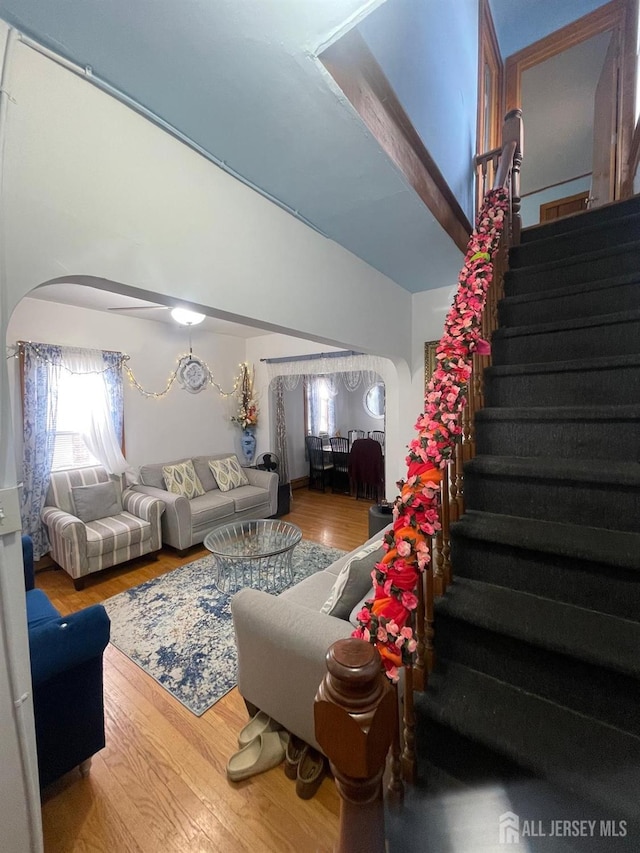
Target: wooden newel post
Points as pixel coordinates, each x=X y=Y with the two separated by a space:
x=355 y=714
x=513 y=132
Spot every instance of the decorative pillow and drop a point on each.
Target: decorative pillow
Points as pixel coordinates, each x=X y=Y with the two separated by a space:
x=98 y=500
x=181 y=479
x=354 y=581
x=228 y=473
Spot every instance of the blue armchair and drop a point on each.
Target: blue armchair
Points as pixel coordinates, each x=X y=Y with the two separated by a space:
x=66 y=671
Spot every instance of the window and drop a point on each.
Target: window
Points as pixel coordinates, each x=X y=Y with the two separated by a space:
x=320 y=406
x=72 y=407
x=75 y=395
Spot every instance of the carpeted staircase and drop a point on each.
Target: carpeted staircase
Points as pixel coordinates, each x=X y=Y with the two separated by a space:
x=538 y=638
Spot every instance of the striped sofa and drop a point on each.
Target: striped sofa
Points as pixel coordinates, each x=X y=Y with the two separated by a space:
x=82 y=548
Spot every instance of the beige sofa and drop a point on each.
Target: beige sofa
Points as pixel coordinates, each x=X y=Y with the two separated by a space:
x=186 y=522
x=282 y=641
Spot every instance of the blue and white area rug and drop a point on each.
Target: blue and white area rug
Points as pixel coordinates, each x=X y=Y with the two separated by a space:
x=178 y=627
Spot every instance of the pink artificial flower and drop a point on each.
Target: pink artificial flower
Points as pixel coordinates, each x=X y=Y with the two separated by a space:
x=364 y=616
x=409 y=600
x=403 y=548
x=392 y=673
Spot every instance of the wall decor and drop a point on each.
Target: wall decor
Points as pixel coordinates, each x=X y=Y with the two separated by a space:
x=429 y=361
x=193 y=374
x=373 y=400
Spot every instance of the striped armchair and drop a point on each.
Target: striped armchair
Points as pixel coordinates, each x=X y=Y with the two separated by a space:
x=83 y=538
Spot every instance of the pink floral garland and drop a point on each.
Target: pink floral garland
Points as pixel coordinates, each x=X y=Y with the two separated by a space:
x=383 y=620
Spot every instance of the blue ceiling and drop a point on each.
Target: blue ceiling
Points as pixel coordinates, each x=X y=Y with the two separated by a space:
x=241 y=79
x=519 y=24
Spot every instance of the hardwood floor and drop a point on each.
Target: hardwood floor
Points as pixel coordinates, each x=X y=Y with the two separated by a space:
x=159 y=786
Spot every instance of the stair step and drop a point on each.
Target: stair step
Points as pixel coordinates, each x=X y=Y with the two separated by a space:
x=590 y=266
x=578 y=241
x=587 y=299
x=586 y=566
x=609 y=334
x=577 y=382
x=593 y=432
x=596 y=760
x=614 y=548
x=585 y=634
x=600 y=494
x=596 y=216
x=463 y=790
x=561 y=660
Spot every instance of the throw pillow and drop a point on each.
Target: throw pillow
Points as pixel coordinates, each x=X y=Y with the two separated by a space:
x=181 y=479
x=98 y=500
x=354 y=581
x=228 y=473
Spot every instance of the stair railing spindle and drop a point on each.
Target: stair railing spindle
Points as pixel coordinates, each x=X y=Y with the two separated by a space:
x=445 y=515
x=420 y=627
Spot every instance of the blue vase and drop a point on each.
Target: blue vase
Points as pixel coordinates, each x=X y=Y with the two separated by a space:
x=248 y=444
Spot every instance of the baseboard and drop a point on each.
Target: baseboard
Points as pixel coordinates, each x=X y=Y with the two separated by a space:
x=300 y=483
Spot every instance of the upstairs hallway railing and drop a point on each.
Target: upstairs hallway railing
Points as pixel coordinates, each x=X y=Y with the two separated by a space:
x=417 y=566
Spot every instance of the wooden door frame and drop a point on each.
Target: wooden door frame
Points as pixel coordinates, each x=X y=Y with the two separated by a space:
x=618 y=15
x=488 y=46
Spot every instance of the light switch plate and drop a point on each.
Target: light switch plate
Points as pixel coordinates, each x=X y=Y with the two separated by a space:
x=10 y=519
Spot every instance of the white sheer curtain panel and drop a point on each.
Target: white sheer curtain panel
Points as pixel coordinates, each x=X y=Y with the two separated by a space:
x=94 y=415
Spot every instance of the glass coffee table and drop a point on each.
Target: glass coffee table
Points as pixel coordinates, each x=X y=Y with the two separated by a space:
x=254 y=553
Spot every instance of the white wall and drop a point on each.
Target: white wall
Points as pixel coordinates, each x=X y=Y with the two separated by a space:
x=94 y=189
x=427 y=323
x=156 y=430
x=354 y=414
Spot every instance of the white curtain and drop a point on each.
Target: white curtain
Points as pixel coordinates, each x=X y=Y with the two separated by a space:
x=321 y=406
x=94 y=416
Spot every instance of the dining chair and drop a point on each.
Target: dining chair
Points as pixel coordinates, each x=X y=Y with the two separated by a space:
x=366 y=469
x=320 y=467
x=340 y=460
x=378 y=435
x=353 y=434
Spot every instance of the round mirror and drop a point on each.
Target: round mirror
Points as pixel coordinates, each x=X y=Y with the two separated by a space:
x=374 y=400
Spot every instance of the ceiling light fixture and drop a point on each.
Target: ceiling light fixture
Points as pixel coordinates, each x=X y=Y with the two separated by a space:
x=187 y=318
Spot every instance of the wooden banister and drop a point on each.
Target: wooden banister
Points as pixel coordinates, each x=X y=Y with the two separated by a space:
x=357 y=712
x=500 y=167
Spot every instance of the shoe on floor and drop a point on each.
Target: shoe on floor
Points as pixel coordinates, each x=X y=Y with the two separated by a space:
x=262 y=753
x=258 y=724
x=311 y=770
x=296 y=749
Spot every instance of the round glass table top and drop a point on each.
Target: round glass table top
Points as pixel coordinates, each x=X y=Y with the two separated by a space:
x=254 y=553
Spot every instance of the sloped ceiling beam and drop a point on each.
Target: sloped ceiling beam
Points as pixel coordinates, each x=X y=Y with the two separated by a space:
x=358 y=74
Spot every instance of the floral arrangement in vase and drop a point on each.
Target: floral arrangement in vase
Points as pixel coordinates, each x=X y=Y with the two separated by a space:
x=246 y=415
x=385 y=620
